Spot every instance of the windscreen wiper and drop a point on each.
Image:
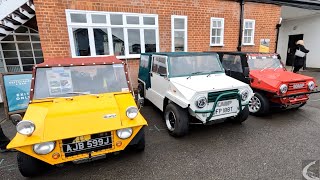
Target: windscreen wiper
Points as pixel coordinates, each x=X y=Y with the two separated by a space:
x=211 y=72
x=194 y=73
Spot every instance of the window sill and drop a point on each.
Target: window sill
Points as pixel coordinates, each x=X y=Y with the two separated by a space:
x=216 y=45
x=131 y=56
x=248 y=44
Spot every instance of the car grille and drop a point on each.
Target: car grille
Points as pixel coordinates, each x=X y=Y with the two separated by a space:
x=297 y=85
x=212 y=96
x=70 y=141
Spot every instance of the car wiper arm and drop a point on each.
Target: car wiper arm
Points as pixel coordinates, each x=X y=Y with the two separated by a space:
x=277 y=68
x=211 y=72
x=194 y=73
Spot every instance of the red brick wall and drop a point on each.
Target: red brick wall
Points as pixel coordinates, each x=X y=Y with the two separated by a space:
x=52 y=23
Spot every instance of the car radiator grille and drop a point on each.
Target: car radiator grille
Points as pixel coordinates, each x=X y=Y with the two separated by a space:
x=212 y=96
x=87 y=150
x=297 y=85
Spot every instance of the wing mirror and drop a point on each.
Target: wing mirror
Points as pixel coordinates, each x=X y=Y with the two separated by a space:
x=15 y=118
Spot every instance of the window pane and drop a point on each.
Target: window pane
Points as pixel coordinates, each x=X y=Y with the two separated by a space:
x=35 y=38
x=218 y=40
x=101 y=41
x=213 y=40
x=26 y=54
x=27 y=67
x=21 y=29
x=38 y=54
x=36 y=46
x=132 y=20
x=214 y=32
x=218 y=32
x=81 y=41
x=179 y=41
x=27 y=61
x=178 y=23
x=8 y=38
x=150 y=40
x=14 y=68
x=118 y=41
x=12 y=61
x=219 y=23
x=134 y=41
x=8 y=46
x=39 y=60
x=249 y=32
x=23 y=38
x=10 y=54
x=96 y=18
x=249 y=40
x=116 y=19
x=214 y=23
x=149 y=21
x=78 y=18
x=24 y=46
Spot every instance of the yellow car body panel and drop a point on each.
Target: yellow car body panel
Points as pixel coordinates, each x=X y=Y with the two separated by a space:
x=63 y=118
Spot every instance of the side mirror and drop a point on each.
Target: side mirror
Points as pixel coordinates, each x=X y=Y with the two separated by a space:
x=15 y=118
x=246 y=72
x=163 y=75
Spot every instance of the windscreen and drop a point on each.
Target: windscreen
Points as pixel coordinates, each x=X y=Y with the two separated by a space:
x=68 y=81
x=264 y=63
x=192 y=65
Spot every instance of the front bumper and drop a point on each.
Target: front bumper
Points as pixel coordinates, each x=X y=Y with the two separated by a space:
x=212 y=111
x=297 y=94
x=116 y=145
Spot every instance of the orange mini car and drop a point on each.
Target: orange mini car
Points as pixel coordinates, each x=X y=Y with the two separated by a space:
x=272 y=84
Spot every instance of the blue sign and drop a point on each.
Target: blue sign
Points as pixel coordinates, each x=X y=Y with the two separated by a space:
x=17 y=87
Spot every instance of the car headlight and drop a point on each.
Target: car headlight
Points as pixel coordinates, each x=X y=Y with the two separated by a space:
x=283 y=88
x=44 y=148
x=244 y=95
x=201 y=102
x=132 y=112
x=311 y=85
x=25 y=127
x=124 y=133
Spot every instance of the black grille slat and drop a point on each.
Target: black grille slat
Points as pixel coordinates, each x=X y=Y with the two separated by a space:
x=212 y=96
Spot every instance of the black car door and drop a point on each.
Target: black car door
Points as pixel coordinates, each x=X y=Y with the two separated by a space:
x=232 y=63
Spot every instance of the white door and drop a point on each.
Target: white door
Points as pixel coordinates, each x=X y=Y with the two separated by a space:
x=159 y=81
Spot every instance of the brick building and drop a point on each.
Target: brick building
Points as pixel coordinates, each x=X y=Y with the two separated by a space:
x=72 y=28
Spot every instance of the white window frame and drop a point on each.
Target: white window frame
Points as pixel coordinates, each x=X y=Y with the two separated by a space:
x=185 y=30
x=221 y=28
x=253 y=31
x=90 y=26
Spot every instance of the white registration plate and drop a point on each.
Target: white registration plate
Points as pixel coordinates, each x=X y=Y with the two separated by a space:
x=226 y=107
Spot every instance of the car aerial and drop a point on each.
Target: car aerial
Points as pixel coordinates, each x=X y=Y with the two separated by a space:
x=273 y=85
x=80 y=110
x=186 y=84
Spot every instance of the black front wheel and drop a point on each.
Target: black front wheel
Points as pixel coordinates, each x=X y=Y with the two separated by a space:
x=30 y=166
x=242 y=116
x=177 y=120
x=259 y=104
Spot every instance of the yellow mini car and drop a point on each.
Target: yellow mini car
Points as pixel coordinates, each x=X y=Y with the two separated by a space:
x=80 y=110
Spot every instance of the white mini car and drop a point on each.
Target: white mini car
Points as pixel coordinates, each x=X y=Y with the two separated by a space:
x=185 y=85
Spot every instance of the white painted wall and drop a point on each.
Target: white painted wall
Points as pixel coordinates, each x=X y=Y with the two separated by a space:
x=310 y=27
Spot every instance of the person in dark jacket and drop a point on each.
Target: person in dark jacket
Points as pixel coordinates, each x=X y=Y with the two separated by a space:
x=4 y=141
x=299 y=61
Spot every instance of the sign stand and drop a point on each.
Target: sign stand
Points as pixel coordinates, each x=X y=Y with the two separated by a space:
x=23 y=83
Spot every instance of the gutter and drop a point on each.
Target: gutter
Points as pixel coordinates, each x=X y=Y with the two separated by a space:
x=241 y=24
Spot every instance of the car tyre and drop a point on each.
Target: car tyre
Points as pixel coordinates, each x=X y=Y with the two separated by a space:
x=140 y=146
x=241 y=117
x=177 y=120
x=259 y=104
x=30 y=166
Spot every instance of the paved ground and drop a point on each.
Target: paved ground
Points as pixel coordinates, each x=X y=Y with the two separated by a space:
x=271 y=147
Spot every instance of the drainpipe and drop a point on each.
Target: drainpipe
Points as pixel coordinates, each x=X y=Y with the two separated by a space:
x=241 y=25
x=278 y=31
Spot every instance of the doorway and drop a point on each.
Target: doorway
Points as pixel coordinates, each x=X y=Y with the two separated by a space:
x=292 y=48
